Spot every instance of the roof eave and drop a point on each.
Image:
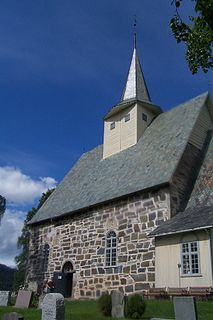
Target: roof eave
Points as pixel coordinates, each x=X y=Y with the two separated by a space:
x=71 y=213
x=128 y=103
x=180 y=231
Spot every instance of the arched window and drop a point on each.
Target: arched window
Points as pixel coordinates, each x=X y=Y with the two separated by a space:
x=111 y=249
x=67 y=267
x=45 y=257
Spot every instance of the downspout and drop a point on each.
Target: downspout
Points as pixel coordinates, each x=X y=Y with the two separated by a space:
x=210 y=233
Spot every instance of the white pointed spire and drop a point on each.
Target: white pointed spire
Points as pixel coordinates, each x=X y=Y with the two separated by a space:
x=135 y=87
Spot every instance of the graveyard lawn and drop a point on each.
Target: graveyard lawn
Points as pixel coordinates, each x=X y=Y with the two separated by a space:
x=88 y=310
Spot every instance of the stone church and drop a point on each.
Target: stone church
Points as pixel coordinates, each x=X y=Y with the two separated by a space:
x=112 y=223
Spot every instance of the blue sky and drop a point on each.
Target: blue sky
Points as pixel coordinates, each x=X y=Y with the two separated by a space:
x=63 y=65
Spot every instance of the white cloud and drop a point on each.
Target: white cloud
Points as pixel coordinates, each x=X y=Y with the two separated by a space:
x=19 y=188
x=10 y=230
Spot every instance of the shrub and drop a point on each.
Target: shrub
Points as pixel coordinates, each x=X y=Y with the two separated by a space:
x=135 y=307
x=105 y=304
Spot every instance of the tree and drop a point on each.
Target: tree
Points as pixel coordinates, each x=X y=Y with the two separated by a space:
x=197 y=34
x=23 y=242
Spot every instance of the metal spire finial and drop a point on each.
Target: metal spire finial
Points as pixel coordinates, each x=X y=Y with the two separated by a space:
x=135 y=25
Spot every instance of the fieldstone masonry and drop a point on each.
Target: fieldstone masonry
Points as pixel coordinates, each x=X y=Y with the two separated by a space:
x=81 y=239
x=53 y=307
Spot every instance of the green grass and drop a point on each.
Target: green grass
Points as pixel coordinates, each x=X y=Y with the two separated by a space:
x=88 y=310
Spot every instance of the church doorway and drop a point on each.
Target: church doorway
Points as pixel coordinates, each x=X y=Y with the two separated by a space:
x=63 y=281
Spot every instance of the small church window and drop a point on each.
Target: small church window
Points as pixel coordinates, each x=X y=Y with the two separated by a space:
x=190 y=258
x=127 y=117
x=111 y=249
x=112 y=125
x=144 y=117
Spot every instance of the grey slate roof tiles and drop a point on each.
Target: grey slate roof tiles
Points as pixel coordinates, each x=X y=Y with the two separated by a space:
x=202 y=193
x=151 y=162
x=190 y=219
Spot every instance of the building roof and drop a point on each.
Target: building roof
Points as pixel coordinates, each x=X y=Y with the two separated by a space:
x=149 y=163
x=135 y=87
x=199 y=211
x=191 y=219
x=123 y=105
x=202 y=193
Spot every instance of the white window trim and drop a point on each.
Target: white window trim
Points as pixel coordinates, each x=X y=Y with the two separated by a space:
x=110 y=249
x=190 y=274
x=112 y=125
x=127 y=117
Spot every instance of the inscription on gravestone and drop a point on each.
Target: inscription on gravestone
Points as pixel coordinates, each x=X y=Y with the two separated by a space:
x=53 y=307
x=185 y=308
x=117 y=304
x=24 y=298
x=4 y=298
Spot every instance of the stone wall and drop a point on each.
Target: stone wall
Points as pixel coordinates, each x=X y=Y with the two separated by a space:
x=81 y=239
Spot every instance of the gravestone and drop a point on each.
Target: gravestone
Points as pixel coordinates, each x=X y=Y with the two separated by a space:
x=53 y=307
x=4 y=298
x=117 y=304
x=23 y=299
x=159 y=319
x=12 y=316
x=40 y=300
x=185 y=308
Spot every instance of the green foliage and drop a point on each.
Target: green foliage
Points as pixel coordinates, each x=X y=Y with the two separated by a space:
x=135 y=307
x=105 y=304
x=197 y=34
x=35 y=301
x=23 y=243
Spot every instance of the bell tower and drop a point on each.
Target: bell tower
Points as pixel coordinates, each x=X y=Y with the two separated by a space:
x=126 y=122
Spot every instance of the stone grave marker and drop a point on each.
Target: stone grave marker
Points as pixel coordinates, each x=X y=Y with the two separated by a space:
x=23 y=299
x=4 y=298
x=185 y=308
x=117 y=304
x=53 y=307
x=40 y=301
x=12 y=316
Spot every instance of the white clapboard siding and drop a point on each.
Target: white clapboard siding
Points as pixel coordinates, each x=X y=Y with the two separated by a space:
x=203 y=124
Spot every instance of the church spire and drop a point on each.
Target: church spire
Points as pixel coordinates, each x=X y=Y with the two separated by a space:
x=135 y=87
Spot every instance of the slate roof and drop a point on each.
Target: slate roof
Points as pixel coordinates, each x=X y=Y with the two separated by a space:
x=199 y=211
x=149 y=163
x=190 y=219
x=202 y=193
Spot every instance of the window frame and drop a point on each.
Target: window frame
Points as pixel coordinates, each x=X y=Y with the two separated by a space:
x=144 y=117
x=112 y=125
x=190 y=253
x=127 y=117
x=110 y=249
